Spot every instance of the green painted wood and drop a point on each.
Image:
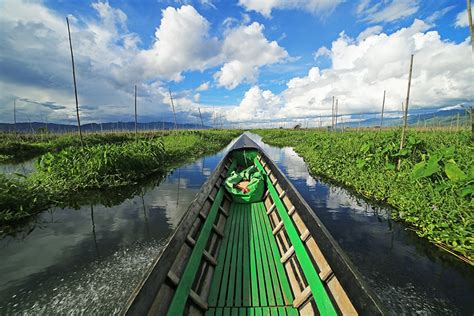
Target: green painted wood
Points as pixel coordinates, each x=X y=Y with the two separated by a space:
x=259 y=311
x=242 y=311
x=228 y=260
x=265 y=263
x=281 y=311
x=271 y=262
x=217 y=277
x=240 y=255
x=219 y=311
x=235 y=312
x=226 y=311
x=290 y=311
x=211 y=312
x=258 y=261
x=251 y=312
x=182 y=292
x=253 y=263
x=273 y=311
x=322 y=300
x=280 y=269
x=246 y=290
x=235 y=259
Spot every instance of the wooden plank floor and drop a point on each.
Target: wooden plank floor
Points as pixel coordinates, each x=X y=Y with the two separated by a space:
x=249 y=277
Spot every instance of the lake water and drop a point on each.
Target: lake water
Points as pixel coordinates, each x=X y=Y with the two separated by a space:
x=88 y=258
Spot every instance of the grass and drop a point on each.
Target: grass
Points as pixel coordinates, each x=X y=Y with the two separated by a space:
x=433 y=191
x=119 y=161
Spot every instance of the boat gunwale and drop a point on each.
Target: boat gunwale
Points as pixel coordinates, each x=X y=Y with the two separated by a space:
x=137 y=304
x=345 y=271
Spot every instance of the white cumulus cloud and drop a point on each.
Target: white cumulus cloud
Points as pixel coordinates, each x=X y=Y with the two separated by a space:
x=362 y=70
x=461 y=19
x=265 y=7
x=36 y=65
x=247 y=49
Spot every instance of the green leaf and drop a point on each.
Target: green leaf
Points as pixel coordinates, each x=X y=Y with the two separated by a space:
x=448 y=152
x=453 y=172
x=365 y=148
x=432 y=166
x=418 y=170
x=467 y=191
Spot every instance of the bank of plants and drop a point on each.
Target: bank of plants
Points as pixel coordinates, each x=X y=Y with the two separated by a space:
x=74 y=169
x=432 y=191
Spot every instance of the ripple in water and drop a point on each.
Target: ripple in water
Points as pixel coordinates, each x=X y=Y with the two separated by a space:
x=103 y=287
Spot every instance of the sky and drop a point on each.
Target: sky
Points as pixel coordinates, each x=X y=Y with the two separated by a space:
x=240 y=62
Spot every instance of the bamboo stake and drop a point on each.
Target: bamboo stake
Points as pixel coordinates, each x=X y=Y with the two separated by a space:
x=174 y=113
x=75 y=85
x=457 y=123
x=403 y=110
x=200 y=116
x=136 y=128
x=383 y=106
x=14 y=114
x=336 y=110
x=332 y=114
x=471 y=28
x=402 y=141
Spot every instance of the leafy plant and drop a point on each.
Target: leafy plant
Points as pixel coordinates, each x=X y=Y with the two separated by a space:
x=433 y=191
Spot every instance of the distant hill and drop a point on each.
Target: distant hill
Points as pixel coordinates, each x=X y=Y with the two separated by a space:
x=93 y=127
x=443 y=117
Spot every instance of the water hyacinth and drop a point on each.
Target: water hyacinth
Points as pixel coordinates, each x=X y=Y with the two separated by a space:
x=433 y=191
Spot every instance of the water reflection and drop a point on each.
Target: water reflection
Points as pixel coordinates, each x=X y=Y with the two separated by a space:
x=88 y=254
x=23 y=168
x=410 y=275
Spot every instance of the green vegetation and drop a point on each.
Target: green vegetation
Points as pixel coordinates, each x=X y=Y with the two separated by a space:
x=21 y=147
x=433 y=191
x=102 y=165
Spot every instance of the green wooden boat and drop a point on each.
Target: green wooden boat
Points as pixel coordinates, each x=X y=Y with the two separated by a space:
x=268 y=254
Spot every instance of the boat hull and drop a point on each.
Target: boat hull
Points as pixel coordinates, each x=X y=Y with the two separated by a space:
x=273 y=256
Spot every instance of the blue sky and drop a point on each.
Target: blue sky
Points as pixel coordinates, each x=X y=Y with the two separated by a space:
x=246 y=61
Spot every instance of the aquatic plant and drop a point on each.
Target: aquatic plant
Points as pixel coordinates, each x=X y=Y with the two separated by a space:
x=115 y=161
x=433 y=191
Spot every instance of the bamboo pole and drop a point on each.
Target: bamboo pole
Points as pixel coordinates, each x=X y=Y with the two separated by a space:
x=136 y=128
x=75 y=85
x=14 y=114
x=402 y=141
x=471 y=28
x=403 y=110
x=174 y=112
x=383 y=106
x=332 y=114
x=336 y=110
x=200 y=116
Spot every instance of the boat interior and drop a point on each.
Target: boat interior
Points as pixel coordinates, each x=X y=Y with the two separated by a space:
x=249 y=257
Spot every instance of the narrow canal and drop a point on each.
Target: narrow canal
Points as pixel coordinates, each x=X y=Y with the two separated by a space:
x=88 y=257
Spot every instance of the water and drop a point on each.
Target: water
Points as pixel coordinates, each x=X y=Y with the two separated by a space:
x=410 y=275
x=23 y=168
x=88 y=259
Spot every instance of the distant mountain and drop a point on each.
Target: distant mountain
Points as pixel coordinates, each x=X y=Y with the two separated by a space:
x=93 y=127
x=443 y=116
